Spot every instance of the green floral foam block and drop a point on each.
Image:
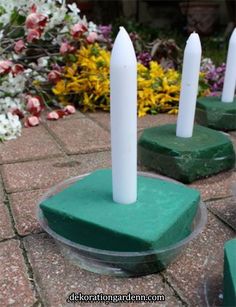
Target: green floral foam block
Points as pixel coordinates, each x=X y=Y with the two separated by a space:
x=85 y=213
x=213 y=113
x=206 y=153
x=230 y=273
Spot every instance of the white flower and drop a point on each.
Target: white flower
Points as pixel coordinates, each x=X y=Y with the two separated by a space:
x=1 y=34
x=74 y=8
x=92 y=27
x=43 y=61
x=10 y=126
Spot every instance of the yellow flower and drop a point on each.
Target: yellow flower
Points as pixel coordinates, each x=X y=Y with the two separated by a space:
x=87 y=82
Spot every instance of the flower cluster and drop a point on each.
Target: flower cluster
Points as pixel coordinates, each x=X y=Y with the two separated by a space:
x=85 y=83
x=213 y=75
x=37 y=38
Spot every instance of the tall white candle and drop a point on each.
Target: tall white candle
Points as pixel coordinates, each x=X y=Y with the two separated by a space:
x=189 y=86
x=230 y=72
x=123 y=86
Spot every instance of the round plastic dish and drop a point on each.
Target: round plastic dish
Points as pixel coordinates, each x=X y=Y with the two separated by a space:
x=121 y=264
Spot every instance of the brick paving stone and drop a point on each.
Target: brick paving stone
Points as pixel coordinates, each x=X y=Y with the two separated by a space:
x=102 y=118
x=15 y=287
x=36 y=174
x=6 y=230
x=197 y=275
x=34 y=143
x=80 y=135
x=56 y=278
x=217 y=186
x=2 y=194
x=225 y=209
x=23 y=207
x=46 y=173
x=147 y=121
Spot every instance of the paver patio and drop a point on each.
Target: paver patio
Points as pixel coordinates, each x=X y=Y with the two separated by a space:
x=32 y=270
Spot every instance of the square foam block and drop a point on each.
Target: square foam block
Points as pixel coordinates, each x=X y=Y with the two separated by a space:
x=86 y=214
x=206 y=153
x=213 y=113
x=230 y=273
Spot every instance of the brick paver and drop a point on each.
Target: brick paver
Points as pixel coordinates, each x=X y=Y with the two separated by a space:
x=34 y=143
x=15 y=286
x=23 y=207
x=148 y=121
x=225 y=209
x=6 y=230
x=45 y=173
x=216 y=186
x=32 y=164
x=201 y=262
x=56 y=279
x=80 y=135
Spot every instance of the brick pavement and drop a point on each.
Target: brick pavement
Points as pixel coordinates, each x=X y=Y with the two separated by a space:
x=32 y=270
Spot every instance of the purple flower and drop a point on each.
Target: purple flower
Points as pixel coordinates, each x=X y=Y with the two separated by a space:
x=105 y=30
x=144 y=58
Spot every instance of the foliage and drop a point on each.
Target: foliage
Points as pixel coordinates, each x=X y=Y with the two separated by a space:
x=37 y=38
x=85 y=83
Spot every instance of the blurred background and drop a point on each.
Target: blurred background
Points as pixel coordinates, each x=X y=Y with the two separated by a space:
x=214 y=20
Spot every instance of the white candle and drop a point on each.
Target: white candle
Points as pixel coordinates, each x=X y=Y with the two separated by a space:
x=123 y=83
x=230 y=72
x=189 y=86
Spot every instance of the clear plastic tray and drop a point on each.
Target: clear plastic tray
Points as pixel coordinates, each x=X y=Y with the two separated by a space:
x=120 y=263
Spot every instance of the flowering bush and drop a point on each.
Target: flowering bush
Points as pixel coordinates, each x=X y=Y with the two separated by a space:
x=214 y=76
x=86 y=83
x=37 y=38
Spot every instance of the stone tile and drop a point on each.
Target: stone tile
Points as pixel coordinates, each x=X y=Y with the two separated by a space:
x=14 y=282
x=36 y=174
x=80 y=135
x=197 y=274
x=225 y=209
x=46 y=173
x=149 y=121
x=217 y=186
x=2 y=194
x=34 y=143
x=90 y=162
x=56 y=278
x=6 y=230
x=101 y=118
x=23 y=207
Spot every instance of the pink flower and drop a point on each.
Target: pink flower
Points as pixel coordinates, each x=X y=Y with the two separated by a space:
x=31 y=121
x=69 y=109
x=78 y=29
x=54 y=76
x=17 y=69
x=33 y=105
x=91 y=37
x=35 y=21
x=19 y=46
x=66 y=48
x=33 y=35
x=5 y=67
x=53 y=115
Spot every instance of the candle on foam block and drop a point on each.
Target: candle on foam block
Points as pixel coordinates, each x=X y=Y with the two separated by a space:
x=230 y=72
x=123 y=80
x=189 y=86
